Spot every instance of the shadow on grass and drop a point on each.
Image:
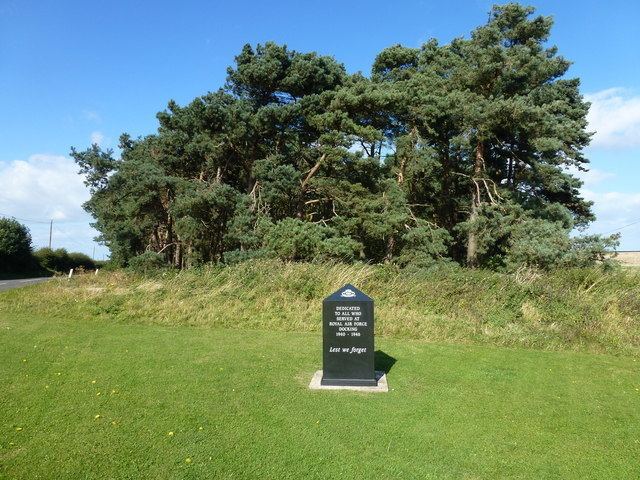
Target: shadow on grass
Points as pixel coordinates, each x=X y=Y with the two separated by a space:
x=383 y=362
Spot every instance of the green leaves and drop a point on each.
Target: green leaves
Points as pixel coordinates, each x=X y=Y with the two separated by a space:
x=95 y=165
x=15 y=246
x=291 y=239
x=273 y=73
x=202 y=215
x=443 y=149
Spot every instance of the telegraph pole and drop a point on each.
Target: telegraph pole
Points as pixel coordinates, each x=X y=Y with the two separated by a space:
x=50 y=232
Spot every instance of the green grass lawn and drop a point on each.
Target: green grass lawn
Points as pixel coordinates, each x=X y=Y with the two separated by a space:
x=90 y=398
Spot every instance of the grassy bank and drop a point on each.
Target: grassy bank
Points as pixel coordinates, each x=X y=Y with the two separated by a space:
x=580 y=310
x=98 y=399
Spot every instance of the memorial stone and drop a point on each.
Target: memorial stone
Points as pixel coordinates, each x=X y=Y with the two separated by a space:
x=347 y=337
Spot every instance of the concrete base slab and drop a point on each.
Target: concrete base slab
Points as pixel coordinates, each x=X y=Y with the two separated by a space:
x=382 y=386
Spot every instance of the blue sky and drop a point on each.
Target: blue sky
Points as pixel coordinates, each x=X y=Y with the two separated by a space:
x=74 y=72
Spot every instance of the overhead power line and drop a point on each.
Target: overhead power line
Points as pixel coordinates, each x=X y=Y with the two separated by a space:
x=22 y=219
x=63 y=234
x=40 y=221
x=624 y=226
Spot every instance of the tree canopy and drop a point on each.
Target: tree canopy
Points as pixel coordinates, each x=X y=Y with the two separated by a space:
x=15 y=246
x=459 y=152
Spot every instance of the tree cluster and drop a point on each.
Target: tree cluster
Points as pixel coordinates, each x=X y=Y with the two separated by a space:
x=17 y=256
x=60 y=260
x=461 y=152
x=15 y=247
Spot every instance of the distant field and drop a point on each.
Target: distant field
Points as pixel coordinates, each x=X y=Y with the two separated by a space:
x=629 y=258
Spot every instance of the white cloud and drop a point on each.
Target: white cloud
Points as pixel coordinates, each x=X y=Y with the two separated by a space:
x=615 y=117
x=591 y=177
x=92 y=116
x=623 y=206
x=97 y=138
x=615 y=210
x=45 y=187
x=42 y=186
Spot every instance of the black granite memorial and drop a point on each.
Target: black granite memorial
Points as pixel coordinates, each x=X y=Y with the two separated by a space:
x=347 y=339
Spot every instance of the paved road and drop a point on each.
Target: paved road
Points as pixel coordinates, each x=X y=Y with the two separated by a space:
x=9 y=284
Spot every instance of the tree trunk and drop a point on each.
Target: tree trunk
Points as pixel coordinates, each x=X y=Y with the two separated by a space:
x=478 y=171
x=446 y=206
x=305 y=183
x=514 y=173
x=156 y=238
x=391 y=245
x=171 y=239
x=402 y=168
x=177 y=256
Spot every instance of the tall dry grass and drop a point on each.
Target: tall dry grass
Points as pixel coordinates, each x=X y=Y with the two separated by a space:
x=583 y=309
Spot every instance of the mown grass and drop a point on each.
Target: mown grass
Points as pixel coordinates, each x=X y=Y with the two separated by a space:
x=203 y=374
x=580 y=310
x=93 y=398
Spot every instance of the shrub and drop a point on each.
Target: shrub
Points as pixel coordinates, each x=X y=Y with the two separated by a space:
x=292 y=239
x=77 y=260
x=537 y=243
x=146 y=263
x=60 y=260
x=343 y=249
x=510 y=238
x=47 y=259
x=589 y=249
x=63 y=262
x=424 y=246
x=546 y=245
